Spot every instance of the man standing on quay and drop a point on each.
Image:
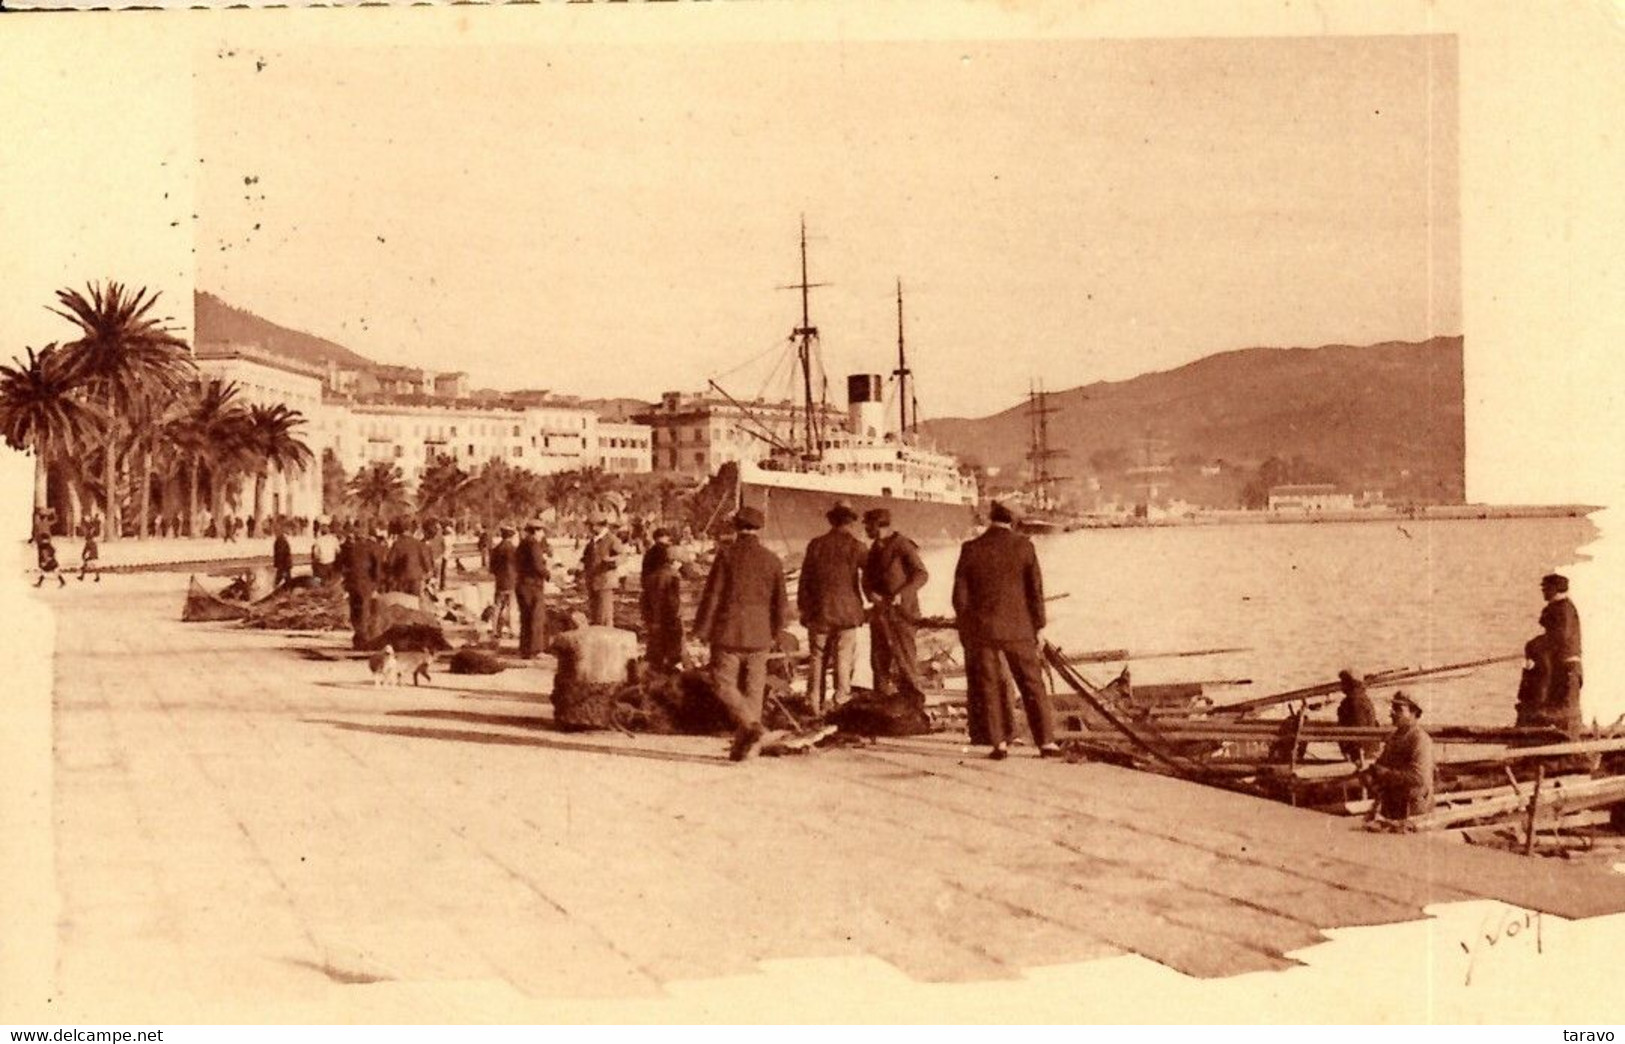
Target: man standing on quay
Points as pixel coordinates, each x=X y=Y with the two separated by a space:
x=598 y=565
x=363 y=564
x=999 y=609
x=504 y=559
x=741 y=615
x=531 y=590
x=892 y=577
x=830 y=601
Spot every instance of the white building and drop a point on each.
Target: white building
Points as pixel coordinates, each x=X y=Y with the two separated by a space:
x=265 y=378
x=412 y=429
x=623 y=447
x=1310 y=497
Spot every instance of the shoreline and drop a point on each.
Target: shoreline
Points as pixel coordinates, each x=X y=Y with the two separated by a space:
x=1434 y=513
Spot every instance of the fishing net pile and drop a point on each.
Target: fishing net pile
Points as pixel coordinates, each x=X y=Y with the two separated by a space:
x=301 y=607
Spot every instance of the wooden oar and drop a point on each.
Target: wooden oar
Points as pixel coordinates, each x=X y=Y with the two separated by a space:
x=1389 y=677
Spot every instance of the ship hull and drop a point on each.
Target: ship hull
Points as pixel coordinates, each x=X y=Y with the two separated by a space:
x=795 y=516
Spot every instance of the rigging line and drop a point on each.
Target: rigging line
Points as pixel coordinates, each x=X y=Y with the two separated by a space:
x=777 y=344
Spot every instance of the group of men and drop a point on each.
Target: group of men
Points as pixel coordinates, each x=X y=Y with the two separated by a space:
x=998 y=600
x=1401 y=775
x=371 y=562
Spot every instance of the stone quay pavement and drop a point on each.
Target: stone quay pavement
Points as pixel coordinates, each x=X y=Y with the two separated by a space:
x=233 y=826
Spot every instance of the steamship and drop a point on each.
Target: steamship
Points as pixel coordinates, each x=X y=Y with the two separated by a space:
x=867 y=463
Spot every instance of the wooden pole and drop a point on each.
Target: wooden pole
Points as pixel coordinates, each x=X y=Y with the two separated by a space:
x=1534 y=803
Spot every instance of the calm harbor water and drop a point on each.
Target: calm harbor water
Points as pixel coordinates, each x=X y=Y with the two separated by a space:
x=1306 y=600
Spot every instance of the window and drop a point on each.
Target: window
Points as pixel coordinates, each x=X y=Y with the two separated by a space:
x=399 y=451
x=699 y=459
x=516 y=431
x=519 y=451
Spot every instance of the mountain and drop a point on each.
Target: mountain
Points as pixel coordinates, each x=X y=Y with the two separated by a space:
x=214 y=321
x=1381 y=417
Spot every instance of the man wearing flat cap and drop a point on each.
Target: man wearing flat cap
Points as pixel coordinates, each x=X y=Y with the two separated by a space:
x=1402 y=775
x=829 y=598
x=1554 y=668
x=741 y=615
x=892 y=577
x=599 y=562
x=531 y=591
x=999 y=609
x=504 y=559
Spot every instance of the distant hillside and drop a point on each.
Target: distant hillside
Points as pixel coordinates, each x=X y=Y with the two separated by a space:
x=1387 y=416
x=214 y=320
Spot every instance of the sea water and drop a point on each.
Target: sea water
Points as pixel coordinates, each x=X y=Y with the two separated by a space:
x=1306 y=600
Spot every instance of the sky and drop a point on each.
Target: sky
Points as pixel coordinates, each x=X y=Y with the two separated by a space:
x=614 y=219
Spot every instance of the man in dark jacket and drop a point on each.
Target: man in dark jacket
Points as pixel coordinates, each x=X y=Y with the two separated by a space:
x=281 y=557
x=829 y=599
x=1556 y=653
x=504 y=558
x=408 y=563
x=363 y=562
x=661 y=599
x=530 y=588
x=892 y=577
x=741 y=614
x=999 y=609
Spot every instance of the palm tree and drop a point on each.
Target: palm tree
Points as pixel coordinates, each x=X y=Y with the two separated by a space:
x=41 y=411
x=561 y=487
x=273 y=443
x=379 y=489
x=597 y=494
x=442 y=487
x=213 y=435
x=122 y=352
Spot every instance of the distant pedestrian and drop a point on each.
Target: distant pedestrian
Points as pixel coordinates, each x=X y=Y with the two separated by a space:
x=741 y=615
x=324 y=553
x=45 y=553
x=532 y=571
x=1402 y=775
x=829 y=599
x=892 y=577
x=89 y=555
x=482 y=544
x=599 y=564
x=281 y=558
x=504 y=563
x=661 y=599
x=1356 y=709
x=435 y=541
x=999 y=610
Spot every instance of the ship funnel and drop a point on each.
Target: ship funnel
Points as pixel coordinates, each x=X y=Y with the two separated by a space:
x=865 y=405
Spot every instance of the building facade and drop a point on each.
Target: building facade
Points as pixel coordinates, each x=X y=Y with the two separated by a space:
x=691 y=436
x=266 y=379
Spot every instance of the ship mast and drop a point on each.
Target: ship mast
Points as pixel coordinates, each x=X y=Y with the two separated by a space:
x=903 y=373
x=805 y=334
x=1039 y=456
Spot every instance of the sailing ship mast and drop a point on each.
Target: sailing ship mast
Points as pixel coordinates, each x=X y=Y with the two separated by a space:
x=805 y=335
x=1040 y=454
x=906 y=403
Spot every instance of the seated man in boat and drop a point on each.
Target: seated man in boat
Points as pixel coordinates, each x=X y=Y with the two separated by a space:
x=1356 y=709
x=1402 y=776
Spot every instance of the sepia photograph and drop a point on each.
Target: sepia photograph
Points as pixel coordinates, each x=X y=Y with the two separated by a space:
x=812 y=513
